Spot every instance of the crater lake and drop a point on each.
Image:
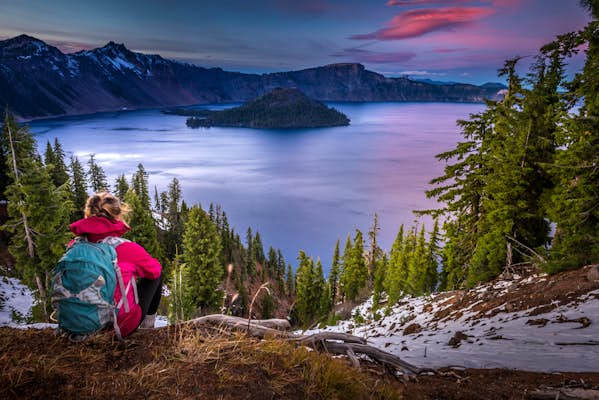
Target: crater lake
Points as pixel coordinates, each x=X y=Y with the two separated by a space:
x=300 y=188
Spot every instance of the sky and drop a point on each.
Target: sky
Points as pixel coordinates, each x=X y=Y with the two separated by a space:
x=444 y=40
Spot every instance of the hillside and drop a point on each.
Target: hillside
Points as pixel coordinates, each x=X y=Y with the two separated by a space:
x=280 y=108
x=38 y=80
x=537 y=323
x=177 y=362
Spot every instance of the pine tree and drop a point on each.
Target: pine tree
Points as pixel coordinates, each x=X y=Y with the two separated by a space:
x=375 y=252
x=272 y=262
x=54 y=156
x=258 y=249
x=96 y=176
x=322 y=303
x=334 y=274
x=139 y=184
x=573 y=204
x=346 y=260
x=78 y=188
x=432 y=251
x=379 y=281
x=203 y=273
x=290 y=281
x=38 y=211
x=355 y=273
x=175 y=219
x=397 y=272
x=417 y=266
x=143 y=227
x=5 y=179
x=303 y=289
x=121 y=186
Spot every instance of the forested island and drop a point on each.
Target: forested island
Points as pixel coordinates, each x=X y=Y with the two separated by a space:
x=280 y=108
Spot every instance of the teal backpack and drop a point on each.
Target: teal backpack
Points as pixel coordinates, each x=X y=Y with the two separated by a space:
x=83 y=287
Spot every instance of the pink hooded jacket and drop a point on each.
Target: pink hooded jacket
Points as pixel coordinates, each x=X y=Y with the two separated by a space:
x=134 y=261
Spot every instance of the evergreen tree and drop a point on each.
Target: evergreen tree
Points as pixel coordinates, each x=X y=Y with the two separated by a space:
x=355 y=273
x=143 y=228
x=334 y=274
x=5 y=179
x=417 y=266
x=175 y=219
x=573 y=204
x=431 y=276
x=38 y=211
x=290 y=282
x=346 y=260
x=258 y=249
x=250 y=261
x=54 y=156
x=139 y=184
x=203 y=273
x=78 y=188
x=303 y=289
x=121 y=186
x=375 y=252
x=379 y=281
x=397 y=272
x=272 y=262
x=318 y=298
x=96 y=176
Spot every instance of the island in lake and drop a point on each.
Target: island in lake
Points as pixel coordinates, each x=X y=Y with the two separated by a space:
x=280 y=108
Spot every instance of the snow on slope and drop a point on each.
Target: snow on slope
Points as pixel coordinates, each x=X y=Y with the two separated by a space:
x=16 y=301
x=562 y=335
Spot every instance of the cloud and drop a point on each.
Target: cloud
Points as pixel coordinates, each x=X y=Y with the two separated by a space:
x=422 y=73
x=415 y=23
x=421 y=2
x=374 y=57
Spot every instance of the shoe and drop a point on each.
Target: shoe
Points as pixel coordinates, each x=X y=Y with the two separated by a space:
x=148 y=322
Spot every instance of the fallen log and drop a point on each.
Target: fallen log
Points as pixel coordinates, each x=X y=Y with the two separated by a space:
x=329 y=342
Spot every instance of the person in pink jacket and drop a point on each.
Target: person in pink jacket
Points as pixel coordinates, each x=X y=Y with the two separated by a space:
x=103 y=218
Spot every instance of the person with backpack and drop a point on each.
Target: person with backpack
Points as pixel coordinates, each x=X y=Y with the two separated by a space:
x=136 y=273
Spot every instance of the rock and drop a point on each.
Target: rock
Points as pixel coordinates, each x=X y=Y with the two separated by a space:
x=427 y=308
x=412 y=328
x=593 y=274
x=540 y=321
x=456 y=340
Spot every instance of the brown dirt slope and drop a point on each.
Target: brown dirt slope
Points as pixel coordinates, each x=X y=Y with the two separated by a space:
x=170 y=363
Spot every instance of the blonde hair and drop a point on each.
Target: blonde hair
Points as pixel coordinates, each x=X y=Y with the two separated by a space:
x=104 y=204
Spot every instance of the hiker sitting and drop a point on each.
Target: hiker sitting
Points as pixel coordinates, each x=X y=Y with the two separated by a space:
x=103 y=223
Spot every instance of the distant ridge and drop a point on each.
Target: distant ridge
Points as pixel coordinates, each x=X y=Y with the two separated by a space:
x=38 y=80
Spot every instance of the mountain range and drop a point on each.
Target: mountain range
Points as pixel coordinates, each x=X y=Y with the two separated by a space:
x=37 y=80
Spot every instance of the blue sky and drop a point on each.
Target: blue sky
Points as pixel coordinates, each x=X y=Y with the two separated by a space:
x=447 y=40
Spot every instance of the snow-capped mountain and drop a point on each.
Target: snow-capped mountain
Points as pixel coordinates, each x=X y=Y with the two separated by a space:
x=38 y=80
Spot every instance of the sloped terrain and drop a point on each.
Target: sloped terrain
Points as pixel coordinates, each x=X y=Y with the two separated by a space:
x=487 y=343
x=535 y=323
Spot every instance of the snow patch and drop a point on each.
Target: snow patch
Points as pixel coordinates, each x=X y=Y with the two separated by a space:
x=494 y=340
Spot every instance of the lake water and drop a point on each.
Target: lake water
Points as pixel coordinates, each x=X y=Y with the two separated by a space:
x=301 y=189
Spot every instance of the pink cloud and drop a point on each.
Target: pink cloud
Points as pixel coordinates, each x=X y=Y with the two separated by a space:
x=420 y=2
x=443 y=50
x=415 y=23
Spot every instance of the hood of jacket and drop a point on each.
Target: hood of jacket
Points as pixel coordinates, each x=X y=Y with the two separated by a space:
x=98 y=228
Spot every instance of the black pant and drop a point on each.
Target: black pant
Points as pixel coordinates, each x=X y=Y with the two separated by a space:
x=149 y=292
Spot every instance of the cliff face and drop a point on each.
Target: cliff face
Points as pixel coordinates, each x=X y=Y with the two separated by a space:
x=38 y=80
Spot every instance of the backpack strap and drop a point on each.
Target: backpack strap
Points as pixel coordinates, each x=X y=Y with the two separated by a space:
x=115 y=241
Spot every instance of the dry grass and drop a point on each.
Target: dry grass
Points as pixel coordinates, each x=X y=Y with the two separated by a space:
x=176 y=363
